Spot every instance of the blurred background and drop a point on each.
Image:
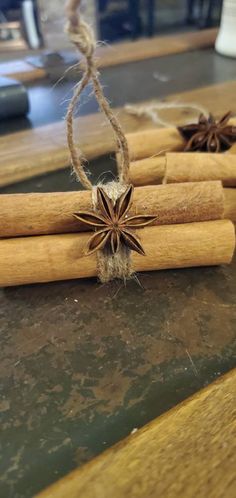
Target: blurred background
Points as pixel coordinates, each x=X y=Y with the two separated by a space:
x=33 y=24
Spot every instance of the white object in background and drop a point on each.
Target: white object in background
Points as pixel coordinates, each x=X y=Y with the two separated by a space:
x=30 y=23
x=226 y=39
x=90 y=15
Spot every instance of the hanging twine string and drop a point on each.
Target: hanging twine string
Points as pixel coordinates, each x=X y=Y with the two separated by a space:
x=116 y=265
x=82 y=36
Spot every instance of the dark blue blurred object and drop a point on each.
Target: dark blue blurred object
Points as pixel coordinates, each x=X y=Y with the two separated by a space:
x=102 y=5
x=14 y=100
x=117 y=24
x=126 y=22
x=205 y=11
x=10 y=4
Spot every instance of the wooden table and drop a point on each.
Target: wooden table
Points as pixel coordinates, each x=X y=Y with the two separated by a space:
x=190 y=451
x=82 y=365
x=46 y=141
x=121 y=53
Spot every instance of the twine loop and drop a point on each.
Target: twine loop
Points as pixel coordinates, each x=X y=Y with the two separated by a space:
x=81 y=34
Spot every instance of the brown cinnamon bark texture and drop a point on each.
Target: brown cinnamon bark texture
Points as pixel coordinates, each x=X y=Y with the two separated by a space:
x=153 y=142
x=35 y=214
x=148 y=171
x=196 y=167
x=60 y=257
x=184 y=167
x=230 y=204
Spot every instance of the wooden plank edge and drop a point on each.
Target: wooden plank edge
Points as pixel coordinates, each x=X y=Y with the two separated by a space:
x=123 y=53
x=169 y=452
x=158 y=46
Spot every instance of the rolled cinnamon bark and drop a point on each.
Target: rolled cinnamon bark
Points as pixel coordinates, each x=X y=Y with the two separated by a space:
x=230 y=204
x=153 y=142
x=196 y=167
x=158 y=141
x=60 y=257
x=184 y=167
x=149 y=171
x=232 y=149
x=34 y=214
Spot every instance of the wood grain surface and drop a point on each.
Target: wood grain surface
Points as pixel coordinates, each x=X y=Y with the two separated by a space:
x=30 y=153
x=13 y=45
x=21 y=70
x=121 y=53
x=188 y=452
x=158 y=46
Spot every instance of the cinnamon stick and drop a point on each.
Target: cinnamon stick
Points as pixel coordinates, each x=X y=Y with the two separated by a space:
x=153 y=142
x=158 y=141
x=232 y=149
x=230 y=204
x=29 y=260
x=34 y=214
x=148 y=171
x=196 y=167
x=184 y=167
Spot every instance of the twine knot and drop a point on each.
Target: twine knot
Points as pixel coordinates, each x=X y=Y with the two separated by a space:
x=81 y=34
x=110 y=265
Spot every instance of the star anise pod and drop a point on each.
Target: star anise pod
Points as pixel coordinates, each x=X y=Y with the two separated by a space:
x=113 y=225
x=209 y=135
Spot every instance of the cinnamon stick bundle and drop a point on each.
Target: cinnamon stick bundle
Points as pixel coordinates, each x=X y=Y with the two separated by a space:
x=34 y=214
x=29 y=260
x=184 y=167
x=45 y=258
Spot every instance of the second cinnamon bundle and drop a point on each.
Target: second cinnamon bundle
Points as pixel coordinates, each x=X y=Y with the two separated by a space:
x=180 y=167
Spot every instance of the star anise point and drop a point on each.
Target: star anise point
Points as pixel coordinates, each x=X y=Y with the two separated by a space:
x=209 y=135
x=112 y=224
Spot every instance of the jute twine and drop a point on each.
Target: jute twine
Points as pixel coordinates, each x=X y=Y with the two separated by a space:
x=117 y=265
x=152 y=111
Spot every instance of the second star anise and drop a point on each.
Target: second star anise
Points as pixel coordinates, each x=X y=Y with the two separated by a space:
x=112 y=224
x=209 y=135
